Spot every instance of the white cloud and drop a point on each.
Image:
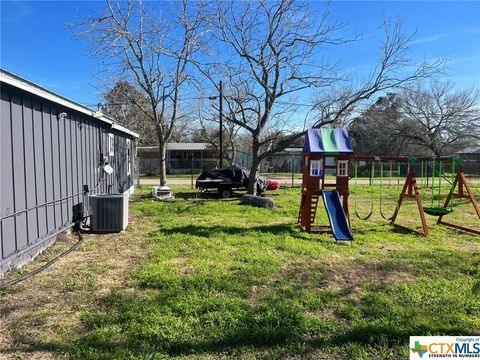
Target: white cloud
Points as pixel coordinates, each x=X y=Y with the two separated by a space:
x=464 y=59
x=428 y=39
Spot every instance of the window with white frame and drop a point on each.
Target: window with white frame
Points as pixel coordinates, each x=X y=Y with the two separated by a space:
x=316 y=167
x=129 y=158
x=342 y=168
x=111 y=145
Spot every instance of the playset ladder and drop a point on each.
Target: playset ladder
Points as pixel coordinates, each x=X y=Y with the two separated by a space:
x=308 y=210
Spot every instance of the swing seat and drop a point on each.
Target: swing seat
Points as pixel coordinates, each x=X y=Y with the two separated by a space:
x=437 y=211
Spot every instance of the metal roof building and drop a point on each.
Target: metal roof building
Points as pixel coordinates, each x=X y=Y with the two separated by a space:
x=180 y=158
x=179 y=146
x=53 y=152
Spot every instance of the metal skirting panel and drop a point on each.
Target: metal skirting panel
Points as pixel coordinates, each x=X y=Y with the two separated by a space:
x=29 y=253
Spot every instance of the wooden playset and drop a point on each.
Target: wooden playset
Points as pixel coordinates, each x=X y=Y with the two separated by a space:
x=328 y=160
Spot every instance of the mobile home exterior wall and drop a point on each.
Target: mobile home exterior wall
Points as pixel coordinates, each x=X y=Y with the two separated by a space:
x=52 y=155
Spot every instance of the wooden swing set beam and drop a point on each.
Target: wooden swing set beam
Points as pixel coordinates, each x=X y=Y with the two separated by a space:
x=397 y=158
x=463 y=228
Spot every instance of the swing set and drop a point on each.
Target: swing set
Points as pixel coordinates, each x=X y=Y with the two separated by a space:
x=430 y=187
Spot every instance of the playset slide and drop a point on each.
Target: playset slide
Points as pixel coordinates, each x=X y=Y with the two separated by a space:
x=336 y=216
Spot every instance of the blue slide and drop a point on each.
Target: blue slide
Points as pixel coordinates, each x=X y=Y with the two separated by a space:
x=336 y=216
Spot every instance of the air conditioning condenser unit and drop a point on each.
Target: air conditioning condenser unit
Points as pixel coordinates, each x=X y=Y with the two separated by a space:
x=109 y=212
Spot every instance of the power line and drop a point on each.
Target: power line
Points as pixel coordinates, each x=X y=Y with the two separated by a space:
x=362 y=111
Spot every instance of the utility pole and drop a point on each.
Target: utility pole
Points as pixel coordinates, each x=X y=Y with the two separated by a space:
x=221 y=124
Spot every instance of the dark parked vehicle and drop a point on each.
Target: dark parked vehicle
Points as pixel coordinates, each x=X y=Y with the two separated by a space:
x=226 y=180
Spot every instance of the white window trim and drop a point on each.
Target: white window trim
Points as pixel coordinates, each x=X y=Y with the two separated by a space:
x=129 y=158
x=319 y=165
x=344 y=171
x=111 y=145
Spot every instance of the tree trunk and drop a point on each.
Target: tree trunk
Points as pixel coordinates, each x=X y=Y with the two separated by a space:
x=234 y=152
x=162 y=154
x=252 y=188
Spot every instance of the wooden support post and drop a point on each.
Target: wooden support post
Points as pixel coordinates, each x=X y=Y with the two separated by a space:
x=462 y=183
x=449 y=197
x=400 y=200
x=410 y=190
x=418 y=198
x=465 y=182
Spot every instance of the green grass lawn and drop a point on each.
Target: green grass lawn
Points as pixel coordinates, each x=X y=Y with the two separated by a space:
x=216 y=279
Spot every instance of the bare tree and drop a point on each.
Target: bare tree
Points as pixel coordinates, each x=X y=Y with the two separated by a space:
x=274 y=55
x=120 y=104
x=152 y=53
x=338 y=103
x=440 y=118
x=375 y=130
x=209 y=132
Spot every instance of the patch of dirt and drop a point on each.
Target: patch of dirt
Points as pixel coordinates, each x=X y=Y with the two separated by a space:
x=469 y=247
x=301 y=270
x=342 y=274
x=38 y=314
x=346 y=275
x=182 y=266
x=348 y=278
x=298 y=272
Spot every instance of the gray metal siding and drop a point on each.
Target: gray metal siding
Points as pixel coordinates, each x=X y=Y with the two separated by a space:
x=45 y=162
x=40 y=186
x=18 y=170
x=29 y=162
x=6 y=196
x=49 y=182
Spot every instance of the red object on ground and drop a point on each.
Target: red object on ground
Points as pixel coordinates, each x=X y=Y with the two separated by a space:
x=273 y=185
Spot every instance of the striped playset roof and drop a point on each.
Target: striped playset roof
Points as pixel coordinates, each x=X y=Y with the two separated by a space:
x=327 y=141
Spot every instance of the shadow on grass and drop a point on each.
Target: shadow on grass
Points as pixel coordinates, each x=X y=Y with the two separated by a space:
x=140 y=197
x=195 y=198
x=34 y=347
x=208 y=231
x=211 y=195
x=188 y=195
x=399 y=229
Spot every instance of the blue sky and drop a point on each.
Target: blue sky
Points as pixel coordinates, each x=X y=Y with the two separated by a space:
x=36 y=44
